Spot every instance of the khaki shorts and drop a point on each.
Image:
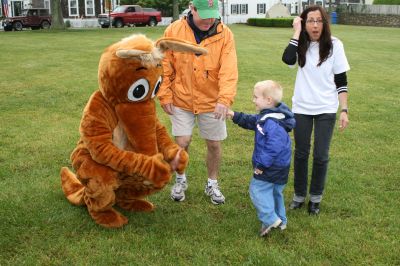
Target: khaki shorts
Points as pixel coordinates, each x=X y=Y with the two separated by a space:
x=210 y=128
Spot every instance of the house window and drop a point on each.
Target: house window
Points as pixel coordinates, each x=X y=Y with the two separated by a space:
x=234 y=9
x=89 y=7
x=239 y=9
x=260 y=8
x=243 y=9
x=73 y=8
x=47 y=4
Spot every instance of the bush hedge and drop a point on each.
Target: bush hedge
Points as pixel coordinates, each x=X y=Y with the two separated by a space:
x=386 y=2
x=271 y=22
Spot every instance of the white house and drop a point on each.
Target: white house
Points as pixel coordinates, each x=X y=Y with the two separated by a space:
x=238 y=11
x=70 y=8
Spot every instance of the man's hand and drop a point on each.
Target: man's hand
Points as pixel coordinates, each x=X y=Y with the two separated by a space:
x=168 y=108
x=220 y=111
x=175 y=162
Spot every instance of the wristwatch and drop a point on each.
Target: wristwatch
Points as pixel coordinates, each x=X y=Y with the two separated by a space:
x=344 y=110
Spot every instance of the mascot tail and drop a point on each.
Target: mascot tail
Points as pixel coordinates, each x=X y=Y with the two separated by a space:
x=72 y=187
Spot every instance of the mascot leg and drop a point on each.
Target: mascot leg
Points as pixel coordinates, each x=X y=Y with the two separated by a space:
x=99 y=195
x=139 y=205
x=132 y=192
x=72 y=187
x=109 y=218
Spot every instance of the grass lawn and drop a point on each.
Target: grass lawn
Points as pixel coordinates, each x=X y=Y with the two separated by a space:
x=46 y=79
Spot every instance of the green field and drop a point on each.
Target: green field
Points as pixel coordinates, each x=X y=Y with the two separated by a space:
x=46 y=79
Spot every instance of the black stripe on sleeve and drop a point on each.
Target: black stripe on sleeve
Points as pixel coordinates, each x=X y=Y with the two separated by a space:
x=341 y=82
x=289 y=56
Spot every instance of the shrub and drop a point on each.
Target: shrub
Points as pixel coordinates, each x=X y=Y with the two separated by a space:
x=68 y=24
x=386 y=2
x=271 y=22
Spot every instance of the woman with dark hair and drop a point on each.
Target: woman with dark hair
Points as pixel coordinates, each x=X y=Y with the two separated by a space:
x=321 y=85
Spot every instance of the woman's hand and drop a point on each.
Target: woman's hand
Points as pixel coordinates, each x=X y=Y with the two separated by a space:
x=343 y=121
x=297 y=27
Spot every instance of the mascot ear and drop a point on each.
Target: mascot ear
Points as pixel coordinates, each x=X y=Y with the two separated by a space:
x=145 y=57
x=168 y=43
x=130 y=53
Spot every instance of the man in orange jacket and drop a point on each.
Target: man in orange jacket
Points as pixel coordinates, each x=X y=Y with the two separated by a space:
x=200 y=88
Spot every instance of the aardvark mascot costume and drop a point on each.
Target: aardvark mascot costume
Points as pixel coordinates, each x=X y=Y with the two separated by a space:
x=124 y=152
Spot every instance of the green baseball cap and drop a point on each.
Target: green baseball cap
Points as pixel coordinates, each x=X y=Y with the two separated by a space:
x=207 y=8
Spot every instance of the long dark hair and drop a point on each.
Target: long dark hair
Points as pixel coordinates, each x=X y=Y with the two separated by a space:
x=325 y=41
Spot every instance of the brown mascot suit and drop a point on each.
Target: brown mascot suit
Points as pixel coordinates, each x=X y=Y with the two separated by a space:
x=124 y=152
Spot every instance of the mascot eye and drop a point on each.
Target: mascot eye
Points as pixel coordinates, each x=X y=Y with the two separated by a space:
x=138 y=90
x=158 y=83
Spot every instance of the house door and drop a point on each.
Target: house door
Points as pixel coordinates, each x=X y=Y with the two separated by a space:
x=16 y=8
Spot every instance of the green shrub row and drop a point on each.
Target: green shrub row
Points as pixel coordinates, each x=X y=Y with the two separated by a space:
x=386 y=2
x=271 y=22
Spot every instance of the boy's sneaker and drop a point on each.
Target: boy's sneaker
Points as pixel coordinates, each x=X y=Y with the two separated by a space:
x=282 y=226
x=178 y=190
x=266 y=229
x=215 y=194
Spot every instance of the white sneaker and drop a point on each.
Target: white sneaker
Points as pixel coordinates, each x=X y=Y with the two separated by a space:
x=178 y=191
x=266 y=229
x=283 y=226
x=215 y=194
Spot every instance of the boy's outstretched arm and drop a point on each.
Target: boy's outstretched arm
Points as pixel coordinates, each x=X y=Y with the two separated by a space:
x=243 y=120
x=230 y=114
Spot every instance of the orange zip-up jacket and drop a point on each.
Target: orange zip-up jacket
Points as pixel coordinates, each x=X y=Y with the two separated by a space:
x=198 y=83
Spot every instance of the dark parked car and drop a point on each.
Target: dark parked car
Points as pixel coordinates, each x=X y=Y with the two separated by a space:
x=34 y=18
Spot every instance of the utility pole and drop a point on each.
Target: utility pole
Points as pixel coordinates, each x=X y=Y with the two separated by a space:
x=223 y=10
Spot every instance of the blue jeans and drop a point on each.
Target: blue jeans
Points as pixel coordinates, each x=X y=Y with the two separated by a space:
x=268 y=200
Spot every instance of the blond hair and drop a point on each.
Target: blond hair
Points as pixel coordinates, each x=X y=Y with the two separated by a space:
x=270 y=88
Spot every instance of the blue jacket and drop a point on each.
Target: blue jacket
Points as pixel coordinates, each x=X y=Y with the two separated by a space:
x=272 y=145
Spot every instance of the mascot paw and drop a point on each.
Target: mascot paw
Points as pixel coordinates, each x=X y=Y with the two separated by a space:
x=182 y=162
x=109 y=218
x=139 y=205
x=177 y=157
x=160 y=173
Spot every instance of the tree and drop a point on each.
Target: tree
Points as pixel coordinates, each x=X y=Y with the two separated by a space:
x=57 y=21
x=175 y=10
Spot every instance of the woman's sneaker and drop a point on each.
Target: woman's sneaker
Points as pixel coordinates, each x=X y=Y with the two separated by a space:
x=266 y=229
x=215 y=194
x=178 y=190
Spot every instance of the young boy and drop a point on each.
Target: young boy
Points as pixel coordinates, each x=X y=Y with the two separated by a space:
x=272 y=152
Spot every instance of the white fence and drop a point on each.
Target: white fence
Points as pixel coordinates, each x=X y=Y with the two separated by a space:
x=82 y=23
